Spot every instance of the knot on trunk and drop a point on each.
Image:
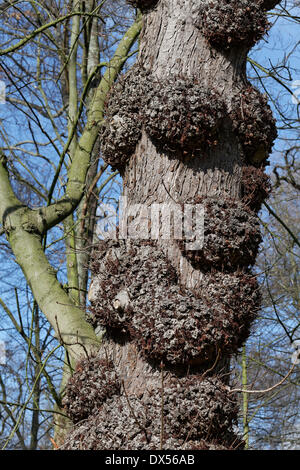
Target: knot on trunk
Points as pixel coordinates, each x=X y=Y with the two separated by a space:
x=231 y=235
x=256 y=187
x=182 y=115
x=195 y=413
x=122 y=129
x=93 y=381
x=178 y=113
x=166 y=322
x=230 y=23
x=254 y=124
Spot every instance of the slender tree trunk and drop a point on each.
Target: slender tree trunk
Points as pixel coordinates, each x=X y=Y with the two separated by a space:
x=84 y=230
x=37 y=390
x=186 y=129
x=62 y=424
x=245 y=399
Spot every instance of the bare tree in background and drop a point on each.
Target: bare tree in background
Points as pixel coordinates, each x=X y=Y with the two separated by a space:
x=53 y=60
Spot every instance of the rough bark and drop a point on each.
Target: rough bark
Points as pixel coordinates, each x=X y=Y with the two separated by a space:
x=183 y=126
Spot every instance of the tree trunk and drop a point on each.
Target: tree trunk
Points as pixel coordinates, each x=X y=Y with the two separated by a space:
x=187 y=131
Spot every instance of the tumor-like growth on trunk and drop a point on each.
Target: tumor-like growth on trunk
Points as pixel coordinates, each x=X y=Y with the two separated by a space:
x=256 y=187
x=231 y=235
x=178 y=114
x=181 y=114
x=193 y=408
x=195 y=412
x=230 y=23
x=91 y=384
x=254 y=123
x=167 y=322
x=186 y=330
x=122 y=129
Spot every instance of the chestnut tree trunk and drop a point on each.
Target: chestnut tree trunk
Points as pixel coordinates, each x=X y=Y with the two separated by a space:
x=188 y=132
